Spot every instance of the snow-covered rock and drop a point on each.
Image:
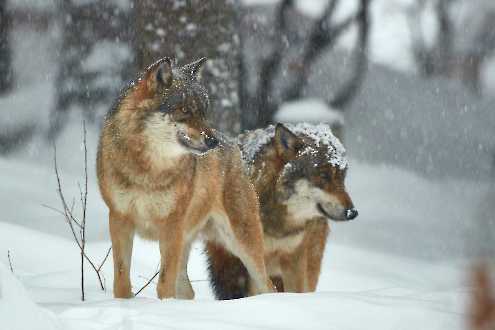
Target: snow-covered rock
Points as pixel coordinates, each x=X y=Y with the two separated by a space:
x=309 y=110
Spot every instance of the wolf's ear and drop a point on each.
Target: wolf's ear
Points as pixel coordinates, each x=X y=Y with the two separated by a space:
x=159 y=74
x=164 y=76
x=194 y=69
x=287 y=143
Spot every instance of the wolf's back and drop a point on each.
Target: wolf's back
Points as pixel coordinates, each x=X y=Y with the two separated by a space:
x=229 y=279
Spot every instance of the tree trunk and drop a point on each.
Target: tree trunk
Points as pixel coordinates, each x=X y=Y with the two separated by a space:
x=6 y=72
x=187 y=30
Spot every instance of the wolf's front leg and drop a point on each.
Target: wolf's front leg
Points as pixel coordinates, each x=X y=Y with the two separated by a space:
x=171 y=252
x=122 y=235
x=314 y=242
x=294 y=271
x=184 y=287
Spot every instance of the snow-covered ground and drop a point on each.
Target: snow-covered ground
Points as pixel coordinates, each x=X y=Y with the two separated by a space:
x=358 y=288
x=400 y=265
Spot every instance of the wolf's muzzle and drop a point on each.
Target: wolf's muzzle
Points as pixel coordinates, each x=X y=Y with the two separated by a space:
x=210 y=141
x=343 y=215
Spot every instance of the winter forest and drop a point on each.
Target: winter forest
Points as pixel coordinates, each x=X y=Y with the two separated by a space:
x=407 y=86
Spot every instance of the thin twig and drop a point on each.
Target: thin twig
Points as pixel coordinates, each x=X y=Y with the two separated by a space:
x=105 y=259
x=53 y=209
x=60 y=212
x=67 y=213
x=147 y=283
x=71 y=219
x=10 y=262
x=84 y=201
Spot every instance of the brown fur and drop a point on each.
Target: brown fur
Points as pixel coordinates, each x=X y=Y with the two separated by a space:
x=294 y=246
x=173 y=195
x=482 y=316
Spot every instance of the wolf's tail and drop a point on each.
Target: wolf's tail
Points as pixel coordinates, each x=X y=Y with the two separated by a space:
x=229 y=279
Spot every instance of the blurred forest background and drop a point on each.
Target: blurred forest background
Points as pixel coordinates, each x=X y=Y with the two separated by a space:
x=405 y=83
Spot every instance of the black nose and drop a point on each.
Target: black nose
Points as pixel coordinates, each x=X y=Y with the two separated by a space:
x=211 y=141
x=351 y=214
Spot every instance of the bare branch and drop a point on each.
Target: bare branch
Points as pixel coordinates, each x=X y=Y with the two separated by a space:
x=84 y=198
x=53 y=209
x=435 y=59
x=10 y=262
x=445 y=34
x=323 y=36
x=349 y=90
x=85 y=255
x=271 y=65
x=68 y=215
x=71 y=219
x=423 y=55
x=258 y=106
x=61 y=212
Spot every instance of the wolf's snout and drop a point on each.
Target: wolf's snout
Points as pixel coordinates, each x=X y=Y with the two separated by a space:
x=211 y=141
x=351 y=214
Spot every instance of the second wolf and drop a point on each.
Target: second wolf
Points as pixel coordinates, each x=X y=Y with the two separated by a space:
x=298 y=172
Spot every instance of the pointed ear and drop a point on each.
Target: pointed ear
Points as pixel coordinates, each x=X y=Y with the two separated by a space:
x=287 y=143
x=194 y=69
x=159 y=74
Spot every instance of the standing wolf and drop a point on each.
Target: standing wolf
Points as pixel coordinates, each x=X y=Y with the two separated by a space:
x=157 y=179
x=298 y=172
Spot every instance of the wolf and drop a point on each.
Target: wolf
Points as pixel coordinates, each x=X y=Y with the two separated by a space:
x=298 y=172
x=165 y=175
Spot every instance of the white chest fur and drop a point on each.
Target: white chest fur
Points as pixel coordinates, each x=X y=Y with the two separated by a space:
x=145 y=208
x=285 y=244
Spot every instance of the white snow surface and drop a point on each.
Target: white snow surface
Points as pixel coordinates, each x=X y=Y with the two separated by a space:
x=357 y=288
x=17 y=310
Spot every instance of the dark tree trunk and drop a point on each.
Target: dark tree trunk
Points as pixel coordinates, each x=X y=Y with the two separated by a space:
x=190 y=29
x=6 y=71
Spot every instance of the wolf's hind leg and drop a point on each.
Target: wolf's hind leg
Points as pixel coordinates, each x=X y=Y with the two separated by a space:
x=247 y=239
x=122 y=235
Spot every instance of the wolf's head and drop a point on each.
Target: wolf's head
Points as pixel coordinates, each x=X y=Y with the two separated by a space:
x=312 y=183
x=168 y=107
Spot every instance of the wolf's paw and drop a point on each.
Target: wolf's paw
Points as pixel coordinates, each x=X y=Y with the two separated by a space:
x=163 y=293
x=185 y=294
x=124 y=293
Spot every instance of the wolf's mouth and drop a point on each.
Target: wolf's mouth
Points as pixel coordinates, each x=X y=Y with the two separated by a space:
x=323 y=212
x=189 y=144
